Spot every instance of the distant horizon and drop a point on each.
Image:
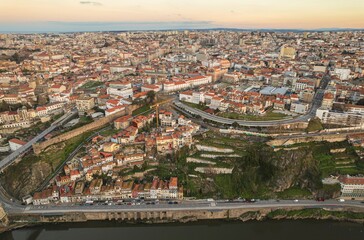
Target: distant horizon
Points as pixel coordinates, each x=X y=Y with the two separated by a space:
x=56 y=16
x=131 y=26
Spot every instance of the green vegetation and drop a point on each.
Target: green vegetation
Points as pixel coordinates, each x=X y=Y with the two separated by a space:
x=315 y=213
x=314 y=125
x=10 y=107
x=109 y=132
x=330 y=191
x=150 y=97
x=200 y=106
x=294 y=193
x=59 y=152
x=269 y=116
x=360 y=102
x=251 y=170
x=92 y=84
x=141 y=110
x=336 y=163
x=83 y=121
x=261 y=172
x=25 y=176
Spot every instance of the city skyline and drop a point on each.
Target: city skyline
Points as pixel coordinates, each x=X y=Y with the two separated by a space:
x=112 y=15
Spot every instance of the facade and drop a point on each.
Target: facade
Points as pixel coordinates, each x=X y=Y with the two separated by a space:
x=340 y=118
x=84 y=104
x=287 y=52
x=352 y=187
x=122 y=92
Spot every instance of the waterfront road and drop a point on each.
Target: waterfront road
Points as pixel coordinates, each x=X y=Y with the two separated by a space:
x=183 y=206
x=14 y=155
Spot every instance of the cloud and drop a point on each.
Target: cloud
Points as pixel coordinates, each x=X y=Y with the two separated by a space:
x=91 y=3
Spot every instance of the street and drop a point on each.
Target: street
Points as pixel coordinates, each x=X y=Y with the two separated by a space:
x=185 y=205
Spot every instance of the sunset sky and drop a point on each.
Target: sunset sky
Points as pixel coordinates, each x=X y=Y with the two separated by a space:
x=299 y=14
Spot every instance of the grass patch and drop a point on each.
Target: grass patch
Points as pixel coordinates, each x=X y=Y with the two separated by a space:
x=61 y=151
x=109 y=132
x=202 y=107
x=92 y=84
x=83 y=121
x=314 y=125
x=22 y=175
x=315 y=213
x=269 y=116
x=294 y=193
x=141 y=110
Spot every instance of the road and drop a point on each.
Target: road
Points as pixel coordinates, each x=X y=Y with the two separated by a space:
x=14 y=155
x=316 y=103
x=186 y=206
x=304 y=118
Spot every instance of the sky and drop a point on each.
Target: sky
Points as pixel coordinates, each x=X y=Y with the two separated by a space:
x=79 y=15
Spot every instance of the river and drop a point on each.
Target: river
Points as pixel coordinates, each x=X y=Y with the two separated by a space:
x=280 y=230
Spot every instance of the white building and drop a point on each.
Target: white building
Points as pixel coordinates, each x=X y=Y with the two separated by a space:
x=342 y=73
x=122 y=92
x=352 y=187
x=151 y=87
x=216 y=102
x=186 y=96
x=173 y=86
x=340 y=118
x=299 y=107
x=15 y=144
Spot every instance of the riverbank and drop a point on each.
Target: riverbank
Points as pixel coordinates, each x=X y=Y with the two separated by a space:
x=212 y=230
x=244 y=215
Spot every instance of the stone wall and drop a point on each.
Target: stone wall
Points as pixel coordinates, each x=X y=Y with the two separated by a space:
x=39 y=147
x=4 y=221
x=152 y=216
x=320 y=138
x=197 y=160
x=213 y=149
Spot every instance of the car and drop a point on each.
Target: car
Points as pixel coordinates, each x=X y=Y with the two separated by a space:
x=341 y=200
x=296 y=200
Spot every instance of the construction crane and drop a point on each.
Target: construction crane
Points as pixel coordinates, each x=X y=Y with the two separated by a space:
x=156 y=106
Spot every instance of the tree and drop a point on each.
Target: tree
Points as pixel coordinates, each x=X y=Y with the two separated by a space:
x=150 y=96
x=314 y=125
x=4 y=106
x=235 y=125
x=360 y=102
